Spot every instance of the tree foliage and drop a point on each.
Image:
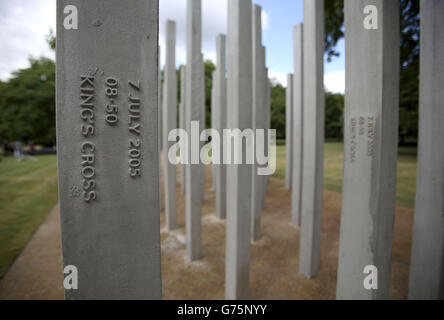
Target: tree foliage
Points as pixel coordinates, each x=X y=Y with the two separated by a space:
x=278 y=101
x=27 y=100
x=209 y=69
x=334 y=26
x=27 y=104
x=334 y=115
x=51 y=39
x=409 y=77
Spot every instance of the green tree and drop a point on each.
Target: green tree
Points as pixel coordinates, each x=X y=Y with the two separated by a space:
x=334 y=115
x=334 y=26
x=51 y=40
x=409 y=77
x=27 y=103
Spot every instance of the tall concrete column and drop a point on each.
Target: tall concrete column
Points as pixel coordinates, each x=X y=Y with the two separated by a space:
x=288 y=131
x=107 y=141
x=193 y=113
x=427 y=263
x=371 y=144
x=267 y=127
x=213 y=121
x=239 y=111
x=221 y=123
x=259 y=118
x=182 y=117
x=297 y=125
x=170 y=123
x=313 y=145
x=160 y=101
x=160 y=120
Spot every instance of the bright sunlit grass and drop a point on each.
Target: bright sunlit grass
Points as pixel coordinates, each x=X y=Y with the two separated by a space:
x=28 y=191
x=333 y=164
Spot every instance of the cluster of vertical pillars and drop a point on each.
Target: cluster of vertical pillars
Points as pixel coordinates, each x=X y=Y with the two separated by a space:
x=239 y=100
x=305 y=134
x=370 y=148
x=370 y=143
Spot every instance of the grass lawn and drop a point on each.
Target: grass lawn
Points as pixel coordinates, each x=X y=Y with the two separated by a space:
x=333 y=162
x=28 y=191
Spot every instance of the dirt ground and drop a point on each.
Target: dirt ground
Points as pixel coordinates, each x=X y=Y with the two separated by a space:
x=37 y=272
